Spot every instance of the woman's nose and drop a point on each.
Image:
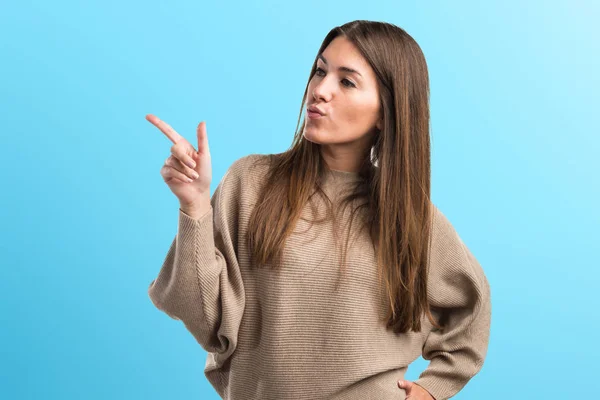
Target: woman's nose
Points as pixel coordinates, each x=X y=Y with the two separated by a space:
x=322 y=91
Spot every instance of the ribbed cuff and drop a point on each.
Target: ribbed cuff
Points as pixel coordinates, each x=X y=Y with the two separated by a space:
x=196 y=241
x=197 y=249
x=440 y=389
x=197 y=219
x=190 y=229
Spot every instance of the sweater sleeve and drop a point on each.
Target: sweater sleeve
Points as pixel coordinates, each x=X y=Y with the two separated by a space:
x=200 y=282
x=459 y=295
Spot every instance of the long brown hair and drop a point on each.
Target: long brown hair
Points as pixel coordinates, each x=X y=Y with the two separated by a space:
x=394 y=183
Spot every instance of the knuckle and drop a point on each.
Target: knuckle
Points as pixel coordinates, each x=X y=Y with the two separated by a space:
x=177 y=152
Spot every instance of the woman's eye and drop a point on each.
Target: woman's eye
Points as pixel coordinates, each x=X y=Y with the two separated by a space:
x=350 y=84
x=345 y=81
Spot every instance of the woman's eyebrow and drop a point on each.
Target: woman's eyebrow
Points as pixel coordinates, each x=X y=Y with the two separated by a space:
x=342 y=68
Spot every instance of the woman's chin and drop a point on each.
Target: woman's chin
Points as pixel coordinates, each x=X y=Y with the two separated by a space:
x=312 y=136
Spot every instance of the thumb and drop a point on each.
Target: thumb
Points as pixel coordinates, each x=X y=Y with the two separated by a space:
x=406 y=385
x=202 y=138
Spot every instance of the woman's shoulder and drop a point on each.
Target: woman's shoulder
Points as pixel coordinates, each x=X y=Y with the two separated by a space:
x=449 y=253
x=250 y=164
x=249 y=167
x=247 y=173
x=441 y=225
x=443 y=230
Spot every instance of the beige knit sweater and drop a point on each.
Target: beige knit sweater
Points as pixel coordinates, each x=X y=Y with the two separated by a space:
x=291 y=334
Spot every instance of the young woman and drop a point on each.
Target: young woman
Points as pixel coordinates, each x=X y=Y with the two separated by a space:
x=324 y=271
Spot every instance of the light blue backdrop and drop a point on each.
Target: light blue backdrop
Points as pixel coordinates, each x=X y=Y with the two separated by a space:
x=87 y=220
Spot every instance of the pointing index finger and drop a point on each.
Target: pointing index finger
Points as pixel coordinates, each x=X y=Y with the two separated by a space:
x=165 y=128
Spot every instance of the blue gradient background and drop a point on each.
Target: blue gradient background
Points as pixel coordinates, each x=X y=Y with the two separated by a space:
x=87 y=220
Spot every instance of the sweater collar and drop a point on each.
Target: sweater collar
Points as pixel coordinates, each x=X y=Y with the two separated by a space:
x=340 y=176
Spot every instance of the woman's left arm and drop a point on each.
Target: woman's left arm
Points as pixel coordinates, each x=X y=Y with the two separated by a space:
x=459 y=295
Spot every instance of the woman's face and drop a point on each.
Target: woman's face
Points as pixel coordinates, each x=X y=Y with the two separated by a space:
x=349 y=100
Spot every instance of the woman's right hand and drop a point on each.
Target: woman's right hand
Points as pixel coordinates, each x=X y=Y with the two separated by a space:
x=187 y=173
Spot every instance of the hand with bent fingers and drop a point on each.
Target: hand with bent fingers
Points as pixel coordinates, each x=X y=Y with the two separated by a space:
x=187 y=172
x=414 y=391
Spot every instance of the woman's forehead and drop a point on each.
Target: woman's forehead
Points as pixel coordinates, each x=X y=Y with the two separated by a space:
x=342 y=54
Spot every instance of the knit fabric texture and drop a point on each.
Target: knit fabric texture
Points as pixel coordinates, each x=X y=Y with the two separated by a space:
x=307 y=330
